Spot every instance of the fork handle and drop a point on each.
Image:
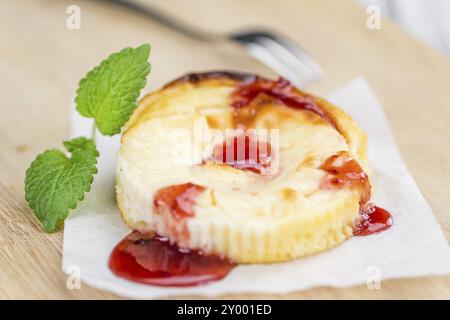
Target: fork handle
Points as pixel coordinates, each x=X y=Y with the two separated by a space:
x=163 y=19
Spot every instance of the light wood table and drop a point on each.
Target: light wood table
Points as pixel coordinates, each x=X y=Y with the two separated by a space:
x=41 y=62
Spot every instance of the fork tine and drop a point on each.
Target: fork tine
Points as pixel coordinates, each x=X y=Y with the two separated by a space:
x=301 y=73
x=297 y=52
x=294 y=56
x=266 y=56
x=282 y=55
x=260 y=53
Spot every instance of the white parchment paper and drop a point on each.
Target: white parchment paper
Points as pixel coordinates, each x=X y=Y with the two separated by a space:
x=414 y=246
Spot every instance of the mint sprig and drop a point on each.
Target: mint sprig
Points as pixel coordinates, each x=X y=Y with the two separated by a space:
x=55 y=183
x=109 y=92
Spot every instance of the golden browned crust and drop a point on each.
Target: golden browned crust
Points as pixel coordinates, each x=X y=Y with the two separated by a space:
x=194 y=78
x=356 y=139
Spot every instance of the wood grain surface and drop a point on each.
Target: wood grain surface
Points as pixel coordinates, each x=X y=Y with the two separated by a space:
x=41 y=62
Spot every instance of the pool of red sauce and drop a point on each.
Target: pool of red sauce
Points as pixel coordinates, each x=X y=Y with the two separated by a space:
x=153 y=260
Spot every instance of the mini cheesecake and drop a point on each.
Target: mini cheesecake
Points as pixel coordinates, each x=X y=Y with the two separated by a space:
x=179 y=174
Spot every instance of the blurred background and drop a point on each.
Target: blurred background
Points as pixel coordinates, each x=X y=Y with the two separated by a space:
x=46 y=46
x=426 y=20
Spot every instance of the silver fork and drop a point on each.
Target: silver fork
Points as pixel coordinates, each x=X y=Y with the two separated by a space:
x=273 y=50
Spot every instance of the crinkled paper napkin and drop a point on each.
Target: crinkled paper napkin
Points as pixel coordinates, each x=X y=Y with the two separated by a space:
x=413 y=246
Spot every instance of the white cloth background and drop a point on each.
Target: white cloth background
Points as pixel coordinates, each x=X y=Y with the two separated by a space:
x=427 y=20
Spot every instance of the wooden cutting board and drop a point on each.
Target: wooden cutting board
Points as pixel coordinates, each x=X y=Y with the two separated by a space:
x=41 y=62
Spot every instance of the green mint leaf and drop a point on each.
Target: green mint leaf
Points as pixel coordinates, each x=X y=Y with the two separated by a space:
x=109 y=92
x=55 y=183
